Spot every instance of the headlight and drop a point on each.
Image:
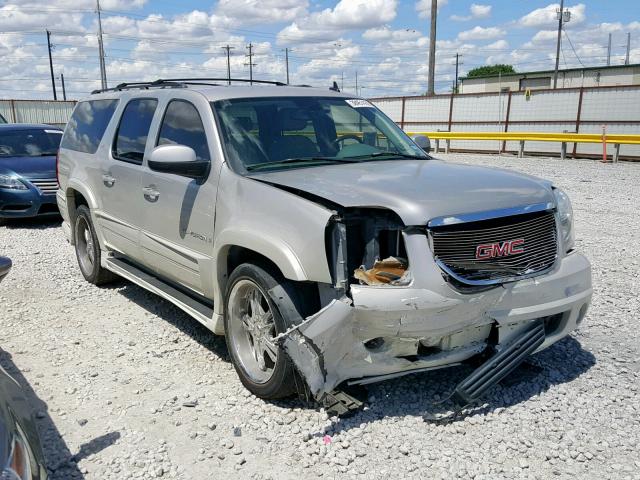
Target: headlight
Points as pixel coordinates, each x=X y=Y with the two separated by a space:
x=19 y=464
x=565 y=216
x=12 y=182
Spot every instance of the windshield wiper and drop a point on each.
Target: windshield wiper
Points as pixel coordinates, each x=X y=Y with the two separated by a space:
x=391 y=154
x=289 y=161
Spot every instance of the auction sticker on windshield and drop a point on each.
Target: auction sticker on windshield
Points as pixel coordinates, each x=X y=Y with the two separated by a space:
x=358 y=103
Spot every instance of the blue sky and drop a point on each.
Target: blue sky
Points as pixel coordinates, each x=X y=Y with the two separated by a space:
x=384 y=41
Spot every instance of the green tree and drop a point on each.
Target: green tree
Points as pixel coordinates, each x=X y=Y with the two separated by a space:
x=491 y=70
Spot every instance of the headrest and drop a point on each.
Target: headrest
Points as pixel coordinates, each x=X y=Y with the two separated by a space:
x=291 y=119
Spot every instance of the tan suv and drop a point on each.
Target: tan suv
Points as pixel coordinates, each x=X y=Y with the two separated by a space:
x=324 y=242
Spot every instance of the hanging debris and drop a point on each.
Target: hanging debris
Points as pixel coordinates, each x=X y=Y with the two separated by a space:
x=387 y=271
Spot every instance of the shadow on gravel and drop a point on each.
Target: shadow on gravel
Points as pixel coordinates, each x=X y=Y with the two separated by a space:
x=173 y=315
x=418 y=394
x=61 y=464
x=34 y=223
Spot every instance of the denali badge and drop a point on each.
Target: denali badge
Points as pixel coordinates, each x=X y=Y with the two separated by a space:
x=497 y=249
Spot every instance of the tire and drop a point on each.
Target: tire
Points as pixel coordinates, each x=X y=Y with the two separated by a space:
x=88 y=249
x=268 y=378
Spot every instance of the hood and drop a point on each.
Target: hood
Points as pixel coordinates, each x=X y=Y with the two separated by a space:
x=417 y=190
x=29 y=167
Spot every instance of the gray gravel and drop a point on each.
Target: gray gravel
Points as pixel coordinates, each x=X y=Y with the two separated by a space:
x=127 y=386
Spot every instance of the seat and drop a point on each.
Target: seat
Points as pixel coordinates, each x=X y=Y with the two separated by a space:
x=292 y=145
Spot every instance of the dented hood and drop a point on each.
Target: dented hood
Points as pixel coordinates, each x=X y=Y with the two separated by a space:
x=417 y=190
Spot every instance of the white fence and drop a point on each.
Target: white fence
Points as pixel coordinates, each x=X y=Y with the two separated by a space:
x=579 y=110
x=51 y=112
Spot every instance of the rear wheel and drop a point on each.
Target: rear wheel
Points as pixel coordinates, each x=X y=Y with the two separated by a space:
x=251 y=323
x=88 y=249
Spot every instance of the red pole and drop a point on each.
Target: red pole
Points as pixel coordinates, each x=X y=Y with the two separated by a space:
x=604 y=144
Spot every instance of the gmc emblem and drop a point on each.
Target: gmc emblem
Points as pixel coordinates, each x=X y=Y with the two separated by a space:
x=497 y=249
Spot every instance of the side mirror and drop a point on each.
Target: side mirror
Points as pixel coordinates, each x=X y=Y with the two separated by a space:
x=423 y=142
x=179 y=160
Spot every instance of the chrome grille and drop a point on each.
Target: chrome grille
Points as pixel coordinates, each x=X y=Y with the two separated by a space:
x=478 y=253
x=48 y=186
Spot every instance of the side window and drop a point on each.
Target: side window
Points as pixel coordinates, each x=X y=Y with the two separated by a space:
x=87 y=125
x=131 y=137
x=182 y=125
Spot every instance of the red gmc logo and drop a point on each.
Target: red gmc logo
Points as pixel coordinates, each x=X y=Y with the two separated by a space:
x=497 y=249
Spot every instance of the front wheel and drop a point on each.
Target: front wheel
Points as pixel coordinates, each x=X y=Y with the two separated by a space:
x=88 y=249
x=251 y=323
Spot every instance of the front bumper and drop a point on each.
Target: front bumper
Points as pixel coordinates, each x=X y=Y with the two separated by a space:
x=391 y=331
x=26 y=203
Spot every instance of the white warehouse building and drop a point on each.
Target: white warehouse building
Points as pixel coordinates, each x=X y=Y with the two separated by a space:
x=611 y=75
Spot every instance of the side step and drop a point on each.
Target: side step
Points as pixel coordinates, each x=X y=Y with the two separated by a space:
x=201 y=311
x=499 y=365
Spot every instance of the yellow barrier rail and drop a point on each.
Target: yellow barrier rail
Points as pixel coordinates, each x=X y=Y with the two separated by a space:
x=613 y=138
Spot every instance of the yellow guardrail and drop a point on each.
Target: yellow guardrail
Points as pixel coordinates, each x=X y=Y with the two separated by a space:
x=612 y=138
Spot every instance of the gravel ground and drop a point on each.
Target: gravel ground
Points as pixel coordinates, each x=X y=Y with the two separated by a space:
x=127 y=386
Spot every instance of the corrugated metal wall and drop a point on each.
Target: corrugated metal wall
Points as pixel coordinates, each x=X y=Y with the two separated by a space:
x=37 y=111
x=583 y=110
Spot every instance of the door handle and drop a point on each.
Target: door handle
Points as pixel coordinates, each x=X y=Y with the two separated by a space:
x=108 y=180
x=150 y=193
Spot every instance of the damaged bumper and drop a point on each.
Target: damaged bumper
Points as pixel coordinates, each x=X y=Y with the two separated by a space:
x=384 y=332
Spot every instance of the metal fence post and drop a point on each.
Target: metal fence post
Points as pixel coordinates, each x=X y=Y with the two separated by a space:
x=521 y=149
x=13 y=112
x=616 y=152
x=563 y=148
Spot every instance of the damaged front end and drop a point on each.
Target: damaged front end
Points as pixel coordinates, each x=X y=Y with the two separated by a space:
x=390 y=310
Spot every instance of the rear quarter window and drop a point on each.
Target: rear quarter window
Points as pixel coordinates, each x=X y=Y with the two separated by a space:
x=88 y=124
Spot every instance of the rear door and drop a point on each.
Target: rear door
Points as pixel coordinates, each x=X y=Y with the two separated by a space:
x=177 y=229
x=121 y=178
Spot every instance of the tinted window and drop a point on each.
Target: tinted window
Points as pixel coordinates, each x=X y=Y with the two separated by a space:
x=182 y=125
x=131 y=138
x=29 y=143
x=87 y=125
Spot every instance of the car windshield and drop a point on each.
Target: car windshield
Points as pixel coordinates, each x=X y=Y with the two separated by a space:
x=30 y=143
x=291 y=132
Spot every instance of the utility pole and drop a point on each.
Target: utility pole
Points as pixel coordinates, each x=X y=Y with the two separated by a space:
x=103 y=70
x=563 y=17
x=342 y=81
x=626 y=58
x=455 y=85
x=432 y=48
x=356 y=82
x=64 y=91
x=609 y=51
x=286 y=61
x=53 y=82
x=228 y=49
x=251 y=64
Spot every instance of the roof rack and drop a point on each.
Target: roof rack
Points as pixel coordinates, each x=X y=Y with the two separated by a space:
x=183 y=82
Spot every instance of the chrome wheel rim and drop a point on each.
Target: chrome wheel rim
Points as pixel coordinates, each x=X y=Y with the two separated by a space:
x=252 y=330
x=84 y=245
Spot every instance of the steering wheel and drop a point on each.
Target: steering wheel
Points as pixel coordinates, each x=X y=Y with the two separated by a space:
x=348 y=136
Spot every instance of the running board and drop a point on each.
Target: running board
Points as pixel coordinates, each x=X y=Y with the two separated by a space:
x=199 y=310
x=499 y=365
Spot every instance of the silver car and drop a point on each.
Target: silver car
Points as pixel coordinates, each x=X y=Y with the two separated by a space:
x=321 y=240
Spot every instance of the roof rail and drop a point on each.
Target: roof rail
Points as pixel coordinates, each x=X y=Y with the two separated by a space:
x=181 y=83
x=209 y=79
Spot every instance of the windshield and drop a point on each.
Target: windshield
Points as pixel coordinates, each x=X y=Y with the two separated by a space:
x=291 y=132
x=29 y=143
